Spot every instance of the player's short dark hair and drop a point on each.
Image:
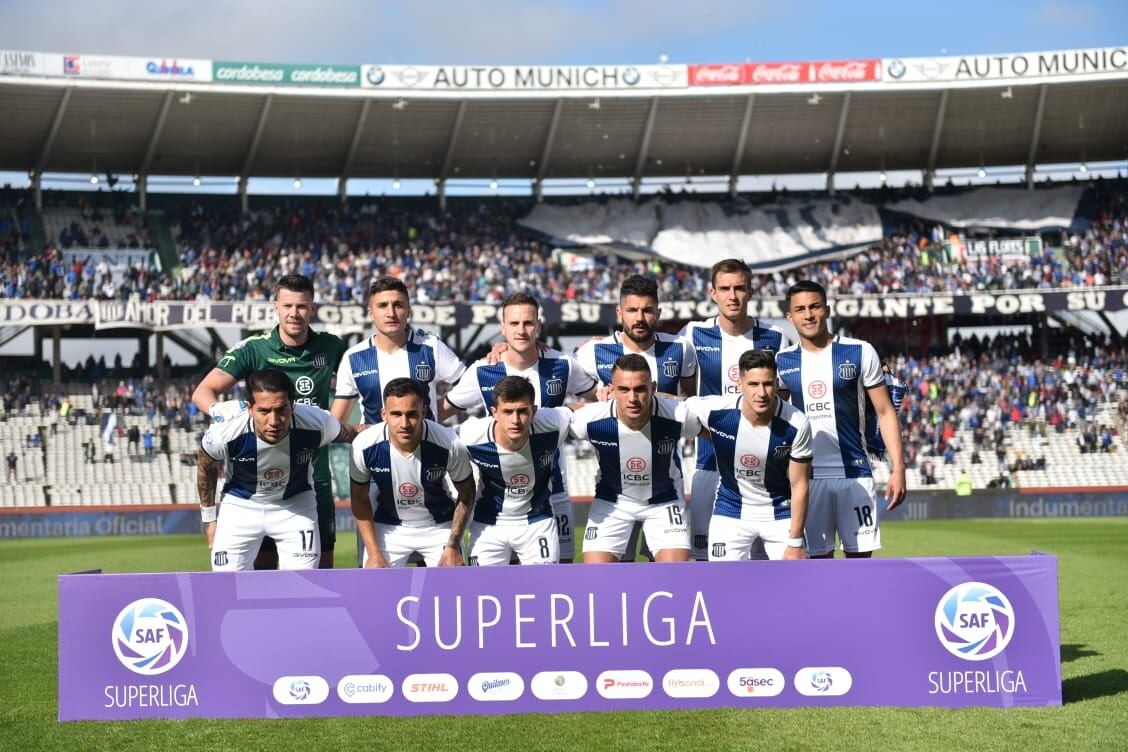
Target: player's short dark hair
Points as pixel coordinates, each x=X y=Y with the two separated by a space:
x=636 y=284
x=757 y=359
x=805 y=285
x=270 y=380
x=520 y=298
x=384 y=284
x=294 y=283
x=402 y=387
x=632 y=363
x=730 y=266
x=514 y=389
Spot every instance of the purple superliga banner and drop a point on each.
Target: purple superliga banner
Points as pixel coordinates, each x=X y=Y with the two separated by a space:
x=898 y=632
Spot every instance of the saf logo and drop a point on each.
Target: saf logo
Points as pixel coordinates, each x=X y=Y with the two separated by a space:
x=423 y=371
x=848 y=371
x=671 y=369
x=554 y=387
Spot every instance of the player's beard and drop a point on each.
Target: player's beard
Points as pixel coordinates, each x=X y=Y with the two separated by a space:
x=639 y=339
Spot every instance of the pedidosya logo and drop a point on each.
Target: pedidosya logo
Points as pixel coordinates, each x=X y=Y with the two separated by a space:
x=150 y=636
x=974 y=621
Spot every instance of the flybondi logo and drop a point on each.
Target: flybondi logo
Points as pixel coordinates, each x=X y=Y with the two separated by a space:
x=974 y=621
x=691 y=682
x=150 y=636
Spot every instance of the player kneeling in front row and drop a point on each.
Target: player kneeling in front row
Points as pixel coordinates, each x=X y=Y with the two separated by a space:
x=763 y=451
x=635 y=435
x=515 y=450
x=269 y=482
x=398 y=496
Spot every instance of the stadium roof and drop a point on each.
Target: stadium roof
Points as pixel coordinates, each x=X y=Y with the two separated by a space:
x=159 y=116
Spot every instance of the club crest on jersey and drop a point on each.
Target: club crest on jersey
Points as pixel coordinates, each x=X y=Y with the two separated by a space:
x=848 y=371
x=781 y=452
x=306 y=456
x=545 y=459
x=434 y=474
x=666 y=446
x=319 y=360
x=554 y=387
x=671 y=369
x=423 y=372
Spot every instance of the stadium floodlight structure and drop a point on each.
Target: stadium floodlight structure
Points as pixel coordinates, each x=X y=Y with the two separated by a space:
x=567 y=123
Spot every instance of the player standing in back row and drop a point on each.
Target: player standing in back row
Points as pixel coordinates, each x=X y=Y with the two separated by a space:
x=719 y=342
x=309 y=358
x=829 y=378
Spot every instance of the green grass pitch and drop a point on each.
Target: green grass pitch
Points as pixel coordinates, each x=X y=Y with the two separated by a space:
x=1093 y=561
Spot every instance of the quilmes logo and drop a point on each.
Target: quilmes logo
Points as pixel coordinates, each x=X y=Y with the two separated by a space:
x=559 y=685
x=691 y=682
x=429 y=688
x=496 y=687
x=365 y=689
x=300 y=690
x=624 y=685
x=755 y=682
x=974 y=621
x=823 y=681
x=150 y=636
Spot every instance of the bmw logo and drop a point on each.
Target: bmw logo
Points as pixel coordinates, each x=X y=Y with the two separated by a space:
x=374 y=75
x=896 y=69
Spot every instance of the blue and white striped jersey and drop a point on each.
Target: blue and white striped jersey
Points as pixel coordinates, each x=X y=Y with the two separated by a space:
x=514 y=487
x=718 y=357
x=875 y=444
x=670 y=358
x=554 y=377
x=753 y=461
x=408 y=490
x=637 y=466
x=830 y=387
x=270 y=473
x=365 y=370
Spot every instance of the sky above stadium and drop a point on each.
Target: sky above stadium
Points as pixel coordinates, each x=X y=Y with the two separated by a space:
x=497 y=32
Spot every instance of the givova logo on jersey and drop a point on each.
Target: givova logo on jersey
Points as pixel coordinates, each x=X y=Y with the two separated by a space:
x=150 y=636
x=974 y=621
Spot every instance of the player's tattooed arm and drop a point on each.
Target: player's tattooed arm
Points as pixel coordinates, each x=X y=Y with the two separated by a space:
x=349 y=431
x=207 y=477
x=452 y=551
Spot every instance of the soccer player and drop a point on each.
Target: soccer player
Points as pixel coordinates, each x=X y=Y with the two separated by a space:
x=515 y=449
x=672 y=363
x=394 y=351
x=554 y=376
x=635 y=435
x=269 y=485
x=763 y=453
x=829 y=378
x=310 y=359
x=398 y=496
x=718 y=344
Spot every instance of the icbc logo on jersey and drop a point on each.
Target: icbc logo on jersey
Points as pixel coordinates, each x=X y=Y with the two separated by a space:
x=408 y=489
x=734 y=374
x=816 y=390
x=749 y=460
x=636 y=469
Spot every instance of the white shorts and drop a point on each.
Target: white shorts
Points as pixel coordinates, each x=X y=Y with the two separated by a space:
x=703 y=495
x=565 y=519
x=399 y=542
x=731 y=539
x=609 y=526
x=847 y=506
x=494 y=545
x=241 y=526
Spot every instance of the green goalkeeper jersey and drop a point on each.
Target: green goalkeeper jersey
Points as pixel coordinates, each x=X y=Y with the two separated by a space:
x=312 y=367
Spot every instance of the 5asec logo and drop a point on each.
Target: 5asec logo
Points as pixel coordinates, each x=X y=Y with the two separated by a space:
x=150 y=636
x=974 y=621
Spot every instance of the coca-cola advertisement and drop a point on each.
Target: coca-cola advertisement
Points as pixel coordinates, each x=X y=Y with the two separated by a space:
x=820 y=72
x=731 y=74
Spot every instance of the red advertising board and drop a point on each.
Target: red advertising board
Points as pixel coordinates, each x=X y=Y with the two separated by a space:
x=818 y=72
